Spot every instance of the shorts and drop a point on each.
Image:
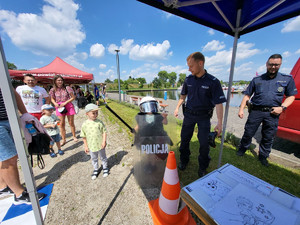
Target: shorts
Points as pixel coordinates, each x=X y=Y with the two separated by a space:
x=69 y=107
x=56 y=138
x=7 y=145
x=97 y=98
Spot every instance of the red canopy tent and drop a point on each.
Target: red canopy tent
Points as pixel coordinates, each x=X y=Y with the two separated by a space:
x=45 y=74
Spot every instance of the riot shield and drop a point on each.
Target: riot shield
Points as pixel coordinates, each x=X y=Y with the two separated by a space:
x=152 y=142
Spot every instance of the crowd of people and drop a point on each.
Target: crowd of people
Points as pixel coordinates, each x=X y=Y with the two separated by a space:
x=37 y=106
x=201 y=93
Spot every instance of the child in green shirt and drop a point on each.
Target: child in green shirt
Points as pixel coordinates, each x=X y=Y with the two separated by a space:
x=94 y=135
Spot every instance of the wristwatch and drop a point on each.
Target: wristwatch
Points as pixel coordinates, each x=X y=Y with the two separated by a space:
x=283 y=108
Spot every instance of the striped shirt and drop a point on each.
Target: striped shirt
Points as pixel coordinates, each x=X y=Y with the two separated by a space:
x=3 y=114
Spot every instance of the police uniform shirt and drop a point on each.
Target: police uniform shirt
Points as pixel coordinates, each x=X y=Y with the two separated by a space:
x=203 y=93
x=268 y=91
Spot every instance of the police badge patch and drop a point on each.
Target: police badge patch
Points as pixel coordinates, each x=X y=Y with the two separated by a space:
x=280 y=89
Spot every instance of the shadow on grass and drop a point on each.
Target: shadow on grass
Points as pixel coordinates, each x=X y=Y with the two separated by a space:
x=277 y=175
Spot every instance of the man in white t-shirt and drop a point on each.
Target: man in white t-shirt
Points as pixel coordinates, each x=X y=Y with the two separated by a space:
x=32 y=96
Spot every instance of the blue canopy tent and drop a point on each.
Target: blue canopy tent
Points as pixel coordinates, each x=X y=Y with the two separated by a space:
x=233 y=17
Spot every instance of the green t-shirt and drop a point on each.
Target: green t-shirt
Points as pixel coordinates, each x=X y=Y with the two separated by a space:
x=93 y=131
x=50 y=119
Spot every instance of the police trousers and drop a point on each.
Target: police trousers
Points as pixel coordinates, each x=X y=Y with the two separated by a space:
x=268 y=130
x=203 y=123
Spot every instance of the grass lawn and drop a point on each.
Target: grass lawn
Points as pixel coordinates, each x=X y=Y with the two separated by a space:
x=277 y=175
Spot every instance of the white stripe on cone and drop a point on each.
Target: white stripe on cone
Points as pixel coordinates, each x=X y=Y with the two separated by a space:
x=170 y=207
x=171 y=176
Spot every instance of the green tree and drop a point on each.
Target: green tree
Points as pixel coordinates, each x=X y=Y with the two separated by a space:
x=116 y=81
x=157 y=83
x=125 y=85
x=141 y=81
x=172 y=78
x=11 y=66
x=181 y=79
x=163 y=76
x=108 y=81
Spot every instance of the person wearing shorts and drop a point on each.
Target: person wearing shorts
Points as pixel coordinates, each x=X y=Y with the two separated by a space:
x=9 y=174
x=51 y=122
x=62 y=96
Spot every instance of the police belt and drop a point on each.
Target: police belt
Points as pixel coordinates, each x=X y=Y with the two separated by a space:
x=199 y=113
x=262 y=108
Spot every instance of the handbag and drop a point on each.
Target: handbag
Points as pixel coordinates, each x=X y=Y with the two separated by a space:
x=75 y=103
x=40 y=145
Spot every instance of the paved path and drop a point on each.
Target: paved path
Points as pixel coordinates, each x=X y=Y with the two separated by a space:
x=283 y=152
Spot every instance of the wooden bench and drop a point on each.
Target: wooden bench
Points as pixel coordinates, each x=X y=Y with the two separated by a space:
x=162 y=106
x=134 y=100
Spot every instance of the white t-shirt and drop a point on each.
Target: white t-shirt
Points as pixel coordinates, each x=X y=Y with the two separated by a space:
x=32 y=97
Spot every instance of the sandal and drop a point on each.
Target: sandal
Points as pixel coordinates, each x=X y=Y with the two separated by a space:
x=60 y=152
x=53 y=155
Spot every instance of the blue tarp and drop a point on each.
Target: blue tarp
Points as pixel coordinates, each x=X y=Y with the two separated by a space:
x=255 y=14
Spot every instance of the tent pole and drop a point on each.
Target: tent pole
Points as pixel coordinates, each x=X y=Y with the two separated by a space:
x=234 y=50
x=12 y=113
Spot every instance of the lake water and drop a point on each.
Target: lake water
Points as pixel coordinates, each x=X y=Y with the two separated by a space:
x=235 y=99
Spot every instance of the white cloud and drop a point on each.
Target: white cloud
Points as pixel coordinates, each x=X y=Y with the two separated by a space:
x=220 y=62
x=298 y=51
x=97 y=50
x=213 y=45
x=110 y=74
x=146 y=52
x=291 y=25
x=150 y=52
x=126 y=46
x=261 y=69
x=102 y=66
x=286 y=54
x=75 y=58
x=286 y=70
x=55 y=31
x=177 y=69
x=211 y=32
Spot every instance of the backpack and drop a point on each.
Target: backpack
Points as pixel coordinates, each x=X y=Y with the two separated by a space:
x=39 y=146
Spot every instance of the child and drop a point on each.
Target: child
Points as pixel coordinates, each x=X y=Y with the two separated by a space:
x=50 y=122
x=93 y=133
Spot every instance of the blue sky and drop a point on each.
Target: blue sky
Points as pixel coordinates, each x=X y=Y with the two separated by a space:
x=86 y=33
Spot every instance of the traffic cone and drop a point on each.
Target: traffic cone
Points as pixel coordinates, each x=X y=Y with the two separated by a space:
x=166 y=209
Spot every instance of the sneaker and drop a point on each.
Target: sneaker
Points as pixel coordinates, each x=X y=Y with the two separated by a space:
x=25 y=199
x=263 y=160
x=6 y=191
x=182 y=166
x=240 y=153
x=53 y=155
x=201 y=172
x=60 y=152
x=95 y=174
x=105 y=172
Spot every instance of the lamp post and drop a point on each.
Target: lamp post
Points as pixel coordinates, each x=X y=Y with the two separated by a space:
x=118 y=68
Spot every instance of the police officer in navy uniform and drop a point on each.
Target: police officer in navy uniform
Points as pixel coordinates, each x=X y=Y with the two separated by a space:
x=268 y=91
x=203 y=92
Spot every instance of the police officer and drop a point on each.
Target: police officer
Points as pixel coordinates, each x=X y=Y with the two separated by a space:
x=268 y=91
x=204 y=92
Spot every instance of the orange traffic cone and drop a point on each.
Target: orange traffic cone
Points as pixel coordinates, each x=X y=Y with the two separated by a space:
x=166 y=209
